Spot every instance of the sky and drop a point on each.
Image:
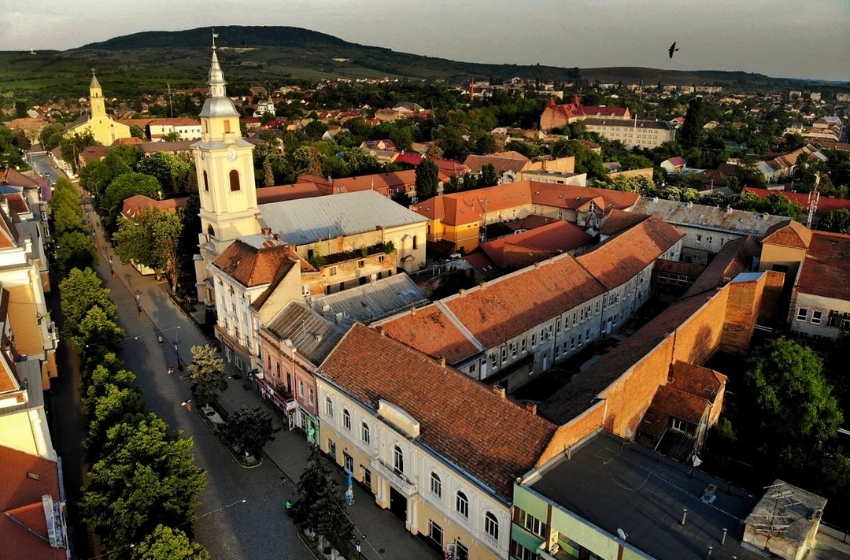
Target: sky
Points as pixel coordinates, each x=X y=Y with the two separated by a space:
x=779 y=38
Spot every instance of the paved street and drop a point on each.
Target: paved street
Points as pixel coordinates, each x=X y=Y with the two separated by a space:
x=241 y=512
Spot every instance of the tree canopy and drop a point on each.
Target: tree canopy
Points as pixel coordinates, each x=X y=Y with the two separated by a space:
x=207 y=372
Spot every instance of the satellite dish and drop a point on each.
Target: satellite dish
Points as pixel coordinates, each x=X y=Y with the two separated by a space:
x=622 y=534
x=628 y=433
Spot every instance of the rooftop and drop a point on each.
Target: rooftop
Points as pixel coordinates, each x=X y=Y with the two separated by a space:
x=707 y=217
x=371 y=302
x=650 y=494
x=827 y=266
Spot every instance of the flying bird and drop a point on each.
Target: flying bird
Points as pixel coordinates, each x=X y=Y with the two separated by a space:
x=673 y=49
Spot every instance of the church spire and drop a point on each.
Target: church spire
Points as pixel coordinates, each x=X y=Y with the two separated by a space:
x=216 y=81
x=94 y=83
x=217 y=104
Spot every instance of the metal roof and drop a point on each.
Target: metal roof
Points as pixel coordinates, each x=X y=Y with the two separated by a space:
x=707 y=217
x=299 y=222
x=371 y=302
x=311 y=335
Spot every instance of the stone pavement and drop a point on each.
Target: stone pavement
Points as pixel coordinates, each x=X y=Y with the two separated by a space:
x=381 y=534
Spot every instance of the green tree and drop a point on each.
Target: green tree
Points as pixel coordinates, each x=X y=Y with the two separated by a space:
x=144 y=478
x=73 y=146
x=453 y=185
x=82 y=290
x=169 y=170
x=109 y=373
x=488 y=177
x=123 y=187
x=320 y=505
x=137 y=132
x=486 y=144
x=248 y=429
x=152 y=239
x=166 y=543
x=207 y=373
x=695 y=118
x=20 y=109
x=837 y=221
x=268 y=173
x=427 y=179
x=794 y=400
x=75 y=250
x=97 y=335
x=113 y=405
x=51 y=136
x=172 y=137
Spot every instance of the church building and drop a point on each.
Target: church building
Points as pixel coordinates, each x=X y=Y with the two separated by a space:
x=103 y=128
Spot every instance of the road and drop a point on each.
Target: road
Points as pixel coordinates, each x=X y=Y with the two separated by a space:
x=42 y=164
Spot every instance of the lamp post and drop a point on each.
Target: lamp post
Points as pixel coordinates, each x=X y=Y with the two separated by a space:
x=176 y=344
x=138 y=294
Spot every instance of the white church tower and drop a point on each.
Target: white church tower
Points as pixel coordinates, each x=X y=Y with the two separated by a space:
x=225 y=169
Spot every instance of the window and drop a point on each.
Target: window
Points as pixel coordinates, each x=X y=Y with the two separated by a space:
x=533 y=340
x=493 y=361
x=234 y=181
x=346 y=419
x=206 y=181
x=380 y=258
x=364 y=433
x=816 y=317
x=523 y=345
x=332 y=449
x=398 y=459
x=520 y=552
x=415 y=243
x=558 y=321
x=461 y=552
x=227 y=126
x=361 y=263
x=348 y=461
x=491 y=525
x=329 y=407
x=462 y=504
x=310 y=400
x=531 y=524
x=676 y=424
x=332 y=271
x=436 y=485
x=435 y=533
x=367 y=478
x=802 y=314
x=300 y=388
x=504 y=353
x=513 y=349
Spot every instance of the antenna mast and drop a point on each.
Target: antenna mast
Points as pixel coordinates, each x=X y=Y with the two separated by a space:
x=814 y=197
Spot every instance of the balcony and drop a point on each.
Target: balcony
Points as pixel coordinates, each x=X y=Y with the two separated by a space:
x=396 y=477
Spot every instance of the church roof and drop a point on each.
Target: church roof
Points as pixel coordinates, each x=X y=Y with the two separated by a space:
x=218 y=104
x=94 y=82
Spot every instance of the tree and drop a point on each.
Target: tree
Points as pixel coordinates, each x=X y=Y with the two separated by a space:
x=114 y=404
x=488 y=177
x=166 y=543
x=137 y=132
x=268 y=173
x=144 y=478
x=837 y=221
x=453 y=185
x=75 y=250
x=123 y=187
x=320 y=505
x=82 y=290
x=169 y=170
x=794 y=401
x=207 y=373
x=152 y=239
x=97 y=335
x=248 y=429
x=692 y=130
x=427 y=179
x=73 y=146
x=434 y=152
x=171 y=137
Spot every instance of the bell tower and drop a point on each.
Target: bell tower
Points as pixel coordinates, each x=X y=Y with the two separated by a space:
x=225 y=167
x=96 y=101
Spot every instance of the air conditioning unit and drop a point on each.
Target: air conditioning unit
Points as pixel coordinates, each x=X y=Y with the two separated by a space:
x=555 y=549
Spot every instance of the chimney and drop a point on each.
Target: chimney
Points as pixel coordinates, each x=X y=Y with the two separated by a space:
x=28 y=245
x=531 y=407
x=499 y=391
x=443 y=362
x=381 y=330
x=276 y=236
x=266 y=232
x=413 y=310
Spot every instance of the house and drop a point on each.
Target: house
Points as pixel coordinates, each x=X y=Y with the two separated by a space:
x=674 y=164
x=386 y=184
x=558 y=116
x=823 y=206
x=707 y=228
x=442 y=461
x=525 y=248
x=461 y=218
x=186 y=128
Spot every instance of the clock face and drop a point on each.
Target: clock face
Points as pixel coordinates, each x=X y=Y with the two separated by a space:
x=231 y=154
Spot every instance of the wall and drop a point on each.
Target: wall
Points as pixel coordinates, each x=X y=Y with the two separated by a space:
x=698 y=338
x=812 y=303
x=573 y=432
x=742 y=310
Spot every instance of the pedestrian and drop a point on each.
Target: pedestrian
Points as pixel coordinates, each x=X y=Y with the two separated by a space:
x=171 y=369
x=159 y=338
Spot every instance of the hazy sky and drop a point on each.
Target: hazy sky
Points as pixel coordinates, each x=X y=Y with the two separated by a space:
x=781 y=38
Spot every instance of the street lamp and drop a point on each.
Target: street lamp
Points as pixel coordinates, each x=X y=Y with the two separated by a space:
x=176 y=343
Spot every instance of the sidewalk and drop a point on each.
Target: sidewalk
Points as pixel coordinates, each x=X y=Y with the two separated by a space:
x=381 y=534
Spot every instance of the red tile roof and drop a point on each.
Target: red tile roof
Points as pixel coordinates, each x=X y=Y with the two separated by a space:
x=21 y=505
x=431 y=331
x=788 y=234
x=670 y=401
x=176 y=121
x=508 y=306
x=620 y=258
x=556 y=237
x=618 y=220
x=502 y=162
x=697 y=380
x=485 y=435
x=825 y=203
x=10 y=176
x=380 y=182
x=133 y=205
x=280 y=193
x=252 y=266
x=826 y=269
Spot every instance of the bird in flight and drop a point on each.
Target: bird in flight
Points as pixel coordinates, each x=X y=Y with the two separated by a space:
x=673 y=49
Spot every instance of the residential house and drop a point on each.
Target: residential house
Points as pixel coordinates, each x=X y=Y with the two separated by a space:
x=461 y=218
x=186 y=128
x=386 y=184
x=707 y=228
x=442 y=461
x=674 y=164
x=525 y=247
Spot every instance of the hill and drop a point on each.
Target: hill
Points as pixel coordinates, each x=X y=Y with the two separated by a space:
x=256 y=54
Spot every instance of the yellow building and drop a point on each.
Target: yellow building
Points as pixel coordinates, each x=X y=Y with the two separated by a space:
x=104 y=130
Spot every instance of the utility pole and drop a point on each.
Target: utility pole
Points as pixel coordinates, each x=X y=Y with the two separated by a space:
x=170 y=106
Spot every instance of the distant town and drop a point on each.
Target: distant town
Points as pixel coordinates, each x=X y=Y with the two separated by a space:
x=530 y=319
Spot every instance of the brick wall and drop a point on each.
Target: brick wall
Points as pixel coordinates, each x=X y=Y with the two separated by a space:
x=573 y=432
x=745 y=299
x=699 y=336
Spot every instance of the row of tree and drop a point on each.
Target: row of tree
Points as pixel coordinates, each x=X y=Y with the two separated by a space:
x=144 y=484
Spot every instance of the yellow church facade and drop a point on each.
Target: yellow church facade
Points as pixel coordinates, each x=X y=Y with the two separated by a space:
x=103 y=129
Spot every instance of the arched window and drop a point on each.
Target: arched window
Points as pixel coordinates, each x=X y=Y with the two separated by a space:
x=206 y=181
x=491 y=525
x=462 y=504
x=364 y=433
x=398 y=459
x=329 y=407
x=346 y=419
x=436 y=485
x=234 y=181
x=211 y=230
